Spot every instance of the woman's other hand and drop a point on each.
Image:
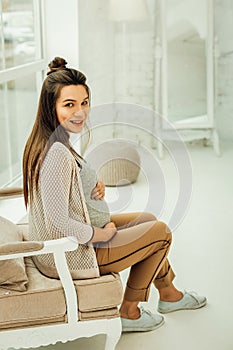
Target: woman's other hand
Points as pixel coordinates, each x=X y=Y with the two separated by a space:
x=99 y=191
x=110 y=225
x=103 y=234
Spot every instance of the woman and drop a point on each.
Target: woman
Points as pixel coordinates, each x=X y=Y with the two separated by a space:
x=136 y=240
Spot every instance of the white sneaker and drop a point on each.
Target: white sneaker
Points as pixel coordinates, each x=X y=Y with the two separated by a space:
x=146 y=322
x=190 y=301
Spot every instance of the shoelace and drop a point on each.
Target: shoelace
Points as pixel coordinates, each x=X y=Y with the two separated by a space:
x=193 y=294
x=148 y=312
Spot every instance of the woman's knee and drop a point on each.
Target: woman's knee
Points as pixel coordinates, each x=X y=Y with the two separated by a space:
x=146 y=216
x=161 y=230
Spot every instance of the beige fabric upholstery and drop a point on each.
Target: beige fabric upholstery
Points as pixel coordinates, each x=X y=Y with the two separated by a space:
x=99 y=293
x=23 y=230
x=12 y=272
x=44 y=300
x=94 y=315
x=20 y=247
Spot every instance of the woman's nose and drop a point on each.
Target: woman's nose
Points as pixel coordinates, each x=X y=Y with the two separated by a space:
x=79 y=111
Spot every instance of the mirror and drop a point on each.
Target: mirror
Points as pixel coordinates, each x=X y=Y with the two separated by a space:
x=186 y=29
x=186 y=59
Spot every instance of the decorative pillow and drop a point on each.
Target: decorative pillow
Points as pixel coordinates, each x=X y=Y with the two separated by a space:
x=12 y=272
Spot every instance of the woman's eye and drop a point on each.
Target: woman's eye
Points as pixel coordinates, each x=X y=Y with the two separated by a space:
x=70 y=104
x=84 y=103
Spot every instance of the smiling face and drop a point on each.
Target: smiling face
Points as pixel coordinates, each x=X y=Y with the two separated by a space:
x=72 y=107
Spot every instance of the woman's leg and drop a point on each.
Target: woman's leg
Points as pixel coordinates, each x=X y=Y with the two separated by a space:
x=167 y=293
x=171 y=299
x=126 y=220
x=144 y=248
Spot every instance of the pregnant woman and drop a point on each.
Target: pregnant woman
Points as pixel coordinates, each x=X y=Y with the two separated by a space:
x=52 y=170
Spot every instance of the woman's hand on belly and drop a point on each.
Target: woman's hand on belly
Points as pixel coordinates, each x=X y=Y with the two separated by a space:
x=98 y=191
x=103 y=234
x=110 y=225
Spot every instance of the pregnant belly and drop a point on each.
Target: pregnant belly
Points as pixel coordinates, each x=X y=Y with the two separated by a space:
x=98 y=212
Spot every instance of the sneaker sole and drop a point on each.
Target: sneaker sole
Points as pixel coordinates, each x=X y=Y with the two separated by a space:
x=138 y=329
x=185 y=308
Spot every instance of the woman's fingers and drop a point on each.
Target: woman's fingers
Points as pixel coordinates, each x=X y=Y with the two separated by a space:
x=99 y=191
x=97 y=194
x=110 y=225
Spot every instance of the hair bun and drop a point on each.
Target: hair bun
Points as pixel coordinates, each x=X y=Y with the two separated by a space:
x=57 y=63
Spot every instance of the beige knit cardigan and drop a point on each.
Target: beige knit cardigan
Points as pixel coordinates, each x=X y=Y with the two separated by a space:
x=58 y=209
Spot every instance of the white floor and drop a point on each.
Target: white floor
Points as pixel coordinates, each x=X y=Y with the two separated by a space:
x=201 y=256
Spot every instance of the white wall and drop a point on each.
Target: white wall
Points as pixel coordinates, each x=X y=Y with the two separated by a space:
x=118 y=59
x=98 y=53
x=96 y=49
x=61 y=30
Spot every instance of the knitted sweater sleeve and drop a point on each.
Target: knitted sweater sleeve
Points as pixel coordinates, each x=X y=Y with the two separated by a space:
x=55 y=183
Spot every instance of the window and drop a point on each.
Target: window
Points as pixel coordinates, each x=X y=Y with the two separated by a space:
x=21 y=69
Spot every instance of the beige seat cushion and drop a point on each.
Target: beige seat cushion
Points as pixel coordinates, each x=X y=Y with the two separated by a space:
x=12 y=272
x=44 y=301
x=97 y=294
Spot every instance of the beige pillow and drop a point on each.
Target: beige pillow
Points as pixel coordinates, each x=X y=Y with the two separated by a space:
x=12 y=272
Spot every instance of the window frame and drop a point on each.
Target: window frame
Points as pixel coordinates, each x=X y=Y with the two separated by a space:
x=37 y=66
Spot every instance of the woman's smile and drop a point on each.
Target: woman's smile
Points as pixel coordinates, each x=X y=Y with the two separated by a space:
x=77 y=122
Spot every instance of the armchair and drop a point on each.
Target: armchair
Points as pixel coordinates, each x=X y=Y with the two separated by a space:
x=52 y=310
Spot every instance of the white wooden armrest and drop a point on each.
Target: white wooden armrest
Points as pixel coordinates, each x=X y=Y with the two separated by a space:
x=58 y=247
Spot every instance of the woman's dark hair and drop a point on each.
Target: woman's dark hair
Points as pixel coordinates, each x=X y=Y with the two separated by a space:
x=47 y=129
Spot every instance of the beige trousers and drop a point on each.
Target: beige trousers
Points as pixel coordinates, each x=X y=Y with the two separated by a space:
x=142 y=243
